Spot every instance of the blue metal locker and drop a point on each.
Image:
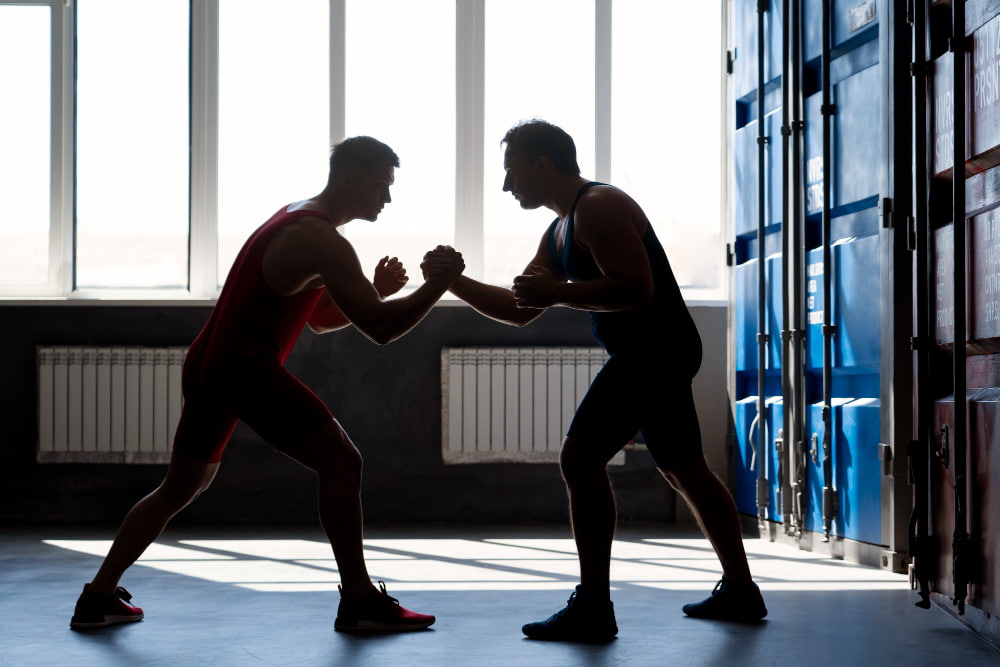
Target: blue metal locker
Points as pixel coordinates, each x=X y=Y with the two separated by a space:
x=859 y=472
x=751 y=464
x=835 y=166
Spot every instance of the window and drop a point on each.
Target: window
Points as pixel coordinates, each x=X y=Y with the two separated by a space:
x=25 y=148
x=400 y=89
x=534 y=69
x=667 y=154
x=138 y=161
x=132 y=144
x=274 y=113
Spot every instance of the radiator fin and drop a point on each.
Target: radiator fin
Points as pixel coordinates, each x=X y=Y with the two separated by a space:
x=513 y=403
x=108 y=404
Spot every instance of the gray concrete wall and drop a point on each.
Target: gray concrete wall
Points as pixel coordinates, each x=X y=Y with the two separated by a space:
x=388 y=398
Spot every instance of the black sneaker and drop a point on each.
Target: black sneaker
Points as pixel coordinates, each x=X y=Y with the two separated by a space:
x=99 y=610
x=730 y=602
x=377 y=612
x=581 y=620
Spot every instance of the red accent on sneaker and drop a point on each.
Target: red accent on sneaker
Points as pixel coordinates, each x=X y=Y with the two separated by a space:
x=378 y=612
x=99 y=610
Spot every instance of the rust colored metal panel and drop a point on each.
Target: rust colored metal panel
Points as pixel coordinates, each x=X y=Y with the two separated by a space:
x=984 y=112
x=982 y=191
x=984 y=500
x=944 y=291
x=984 y=286
x=942 y=492
x=942 y=109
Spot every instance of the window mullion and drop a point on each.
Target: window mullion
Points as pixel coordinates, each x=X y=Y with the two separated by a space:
x=338 y=70
x=470 y=95
x=61 y=228
x=602 y=90
x=204 y=196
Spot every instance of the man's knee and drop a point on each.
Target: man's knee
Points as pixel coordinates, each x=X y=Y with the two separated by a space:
x=688 y=476
x=329 y=452
x=185 y=481
x=578 y=460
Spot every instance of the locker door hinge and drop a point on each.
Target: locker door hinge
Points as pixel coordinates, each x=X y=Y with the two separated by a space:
x=911 y=233
x=918 y=69
x=763 y=5
x=909 y=12
x=916 y=343
x=730 y=57
x=885 y=211
x=730 y=255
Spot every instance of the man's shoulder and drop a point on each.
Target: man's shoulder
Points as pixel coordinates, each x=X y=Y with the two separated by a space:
x=308 y=233
x=603 y=200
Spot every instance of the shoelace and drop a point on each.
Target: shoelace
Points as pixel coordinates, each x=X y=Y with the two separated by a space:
x=381 y=585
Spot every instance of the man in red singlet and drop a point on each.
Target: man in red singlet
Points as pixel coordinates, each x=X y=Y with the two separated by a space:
x=296 y=269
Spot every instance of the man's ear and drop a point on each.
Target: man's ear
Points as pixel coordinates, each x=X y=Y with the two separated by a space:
x=543 y=164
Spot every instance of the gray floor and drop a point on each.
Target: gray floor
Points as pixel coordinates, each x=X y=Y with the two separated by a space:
x=268 y=597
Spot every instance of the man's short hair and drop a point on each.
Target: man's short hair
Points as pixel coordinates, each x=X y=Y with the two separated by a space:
x=360 y=153
x=534 y=138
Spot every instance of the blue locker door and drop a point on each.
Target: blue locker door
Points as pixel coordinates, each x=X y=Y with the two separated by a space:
x=859 y=472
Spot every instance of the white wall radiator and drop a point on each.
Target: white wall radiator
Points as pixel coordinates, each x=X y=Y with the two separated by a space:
x=108 y=404
x=512 y=403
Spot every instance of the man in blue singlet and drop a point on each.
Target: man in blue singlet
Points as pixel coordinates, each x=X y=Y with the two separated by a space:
x=601 y=255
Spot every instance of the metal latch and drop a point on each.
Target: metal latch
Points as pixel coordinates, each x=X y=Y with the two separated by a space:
x=885 y=454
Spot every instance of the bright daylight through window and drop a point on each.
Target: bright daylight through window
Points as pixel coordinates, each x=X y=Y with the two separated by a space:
x=137 y=162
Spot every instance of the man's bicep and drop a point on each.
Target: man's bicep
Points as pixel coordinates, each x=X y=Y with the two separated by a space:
x=345 y=281
x=615 y=246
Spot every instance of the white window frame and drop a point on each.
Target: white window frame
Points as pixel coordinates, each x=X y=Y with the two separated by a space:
x=60 y=255
x=204 y=114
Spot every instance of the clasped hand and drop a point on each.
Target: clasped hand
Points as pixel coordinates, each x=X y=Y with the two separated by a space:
x=390 y=276
x=442 y=262
x=536 y=289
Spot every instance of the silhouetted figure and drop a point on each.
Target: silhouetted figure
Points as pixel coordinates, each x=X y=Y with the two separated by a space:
x=296 y=269
x=601 y=255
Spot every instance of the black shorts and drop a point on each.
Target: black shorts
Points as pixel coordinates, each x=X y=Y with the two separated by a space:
x=642 y=392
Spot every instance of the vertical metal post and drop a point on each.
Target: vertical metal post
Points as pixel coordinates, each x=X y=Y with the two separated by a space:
x=797 y=251
x=787 y=471
x=763 y=485
x=960 y=540
x=920 y=447
x=895 y=278
x=829 y=491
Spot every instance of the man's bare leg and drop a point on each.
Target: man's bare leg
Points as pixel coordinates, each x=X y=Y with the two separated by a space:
x=736 y=597
x=185 y=480
x=337 y=462
x=716 y=514
x=589 y=614
x=593 y=514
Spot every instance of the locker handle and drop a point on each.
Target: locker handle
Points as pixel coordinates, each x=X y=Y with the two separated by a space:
x=753 y=459
x=814 y=452
x=943 y=454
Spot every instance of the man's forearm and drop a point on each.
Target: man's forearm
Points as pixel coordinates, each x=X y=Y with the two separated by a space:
x=492 y=301
x=402 y=314
x=604 y=294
